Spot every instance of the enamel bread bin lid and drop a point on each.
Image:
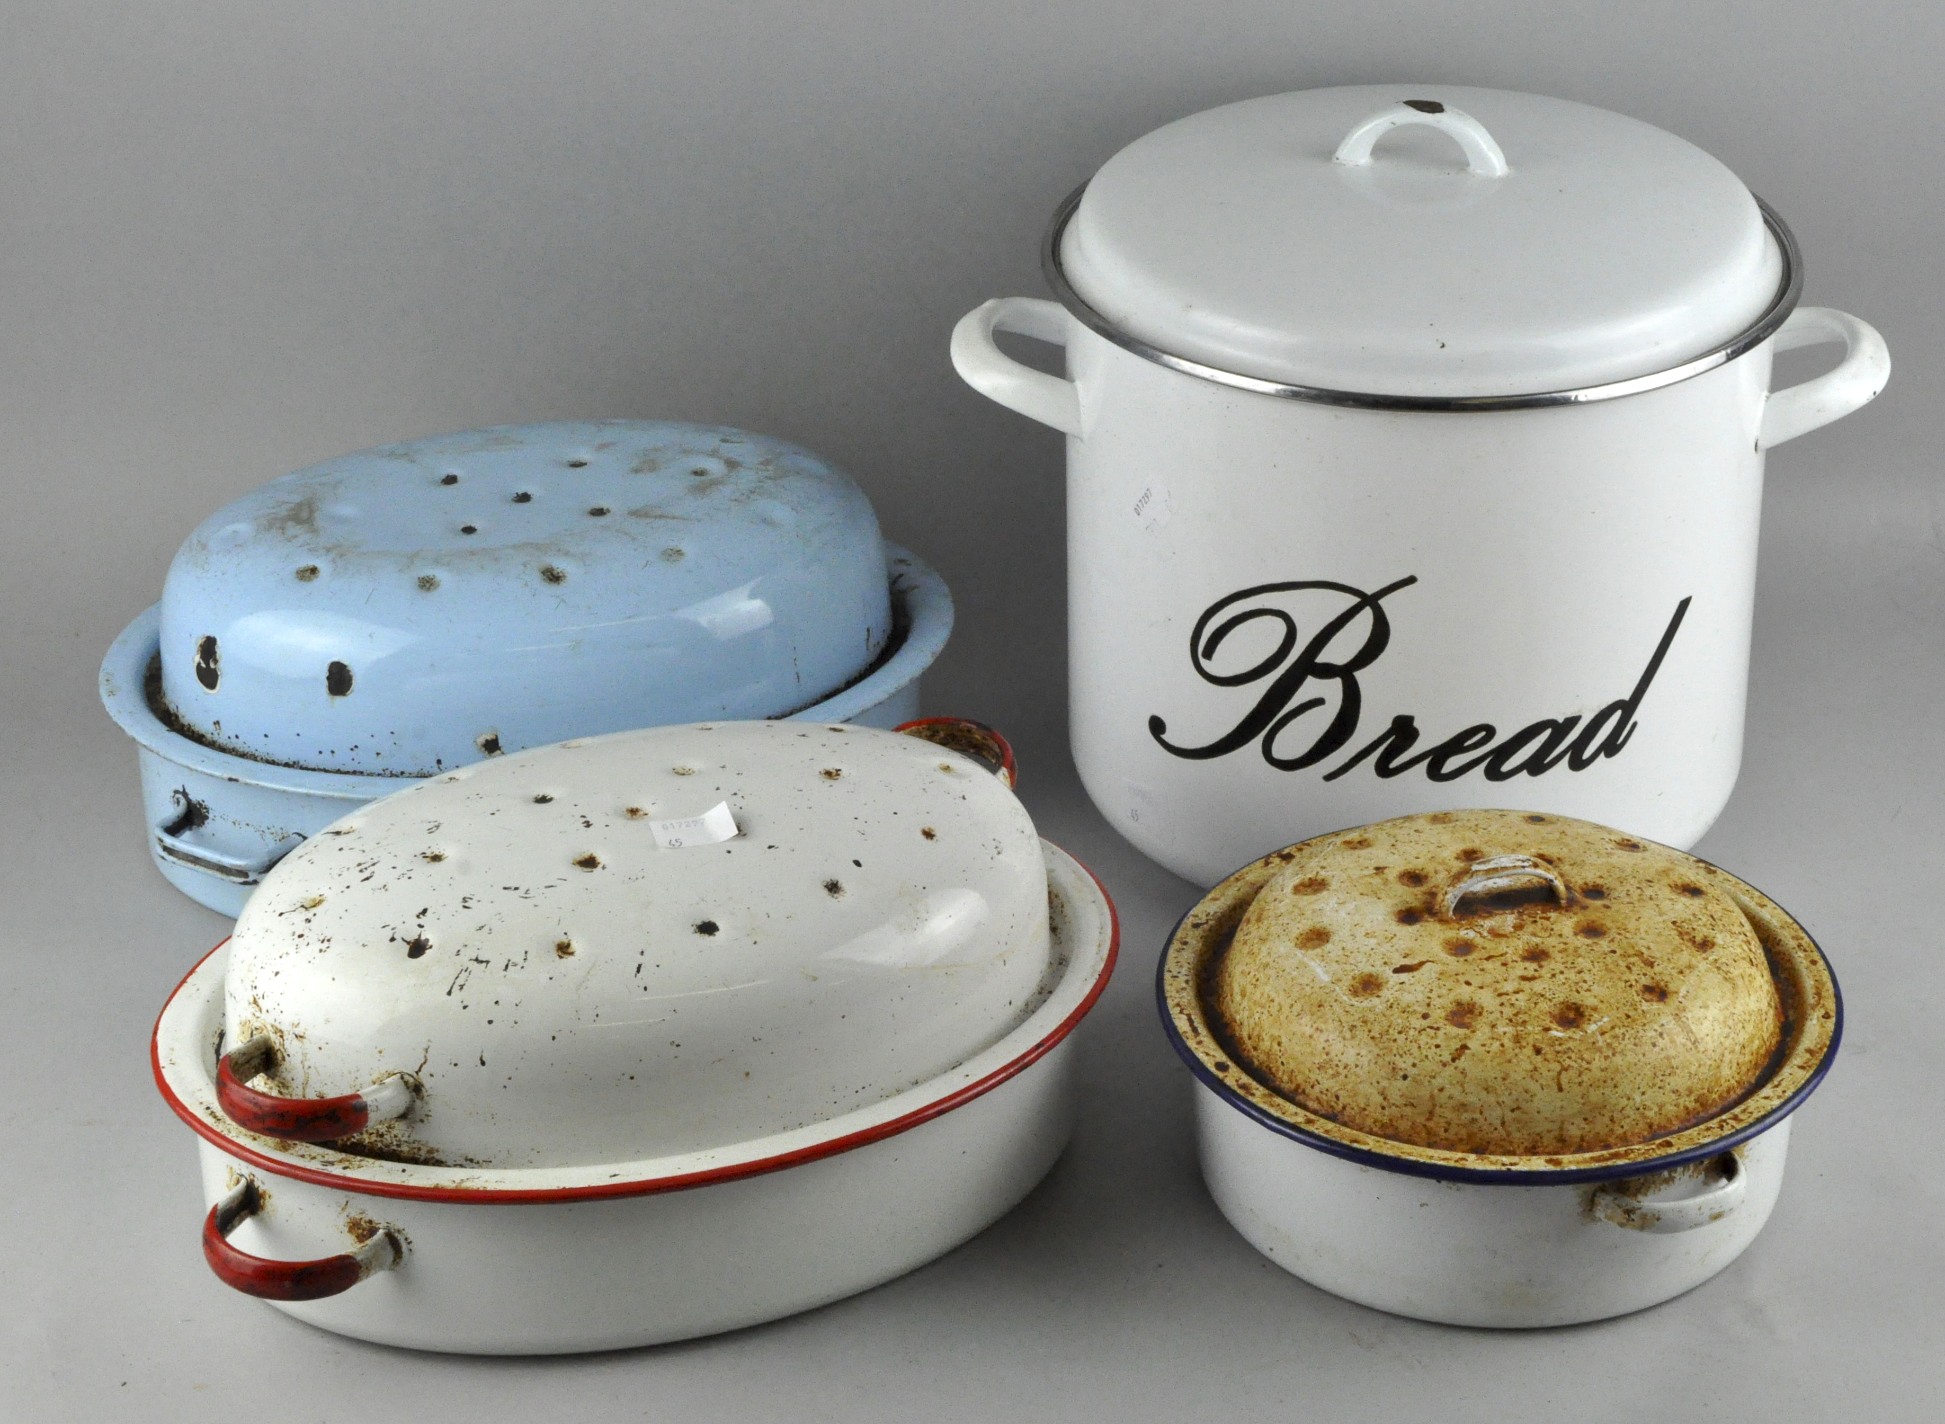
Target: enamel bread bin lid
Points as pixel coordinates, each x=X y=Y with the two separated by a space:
x=1501 y=984
x=418 y=606
x=1420 y=241
x=651 y=943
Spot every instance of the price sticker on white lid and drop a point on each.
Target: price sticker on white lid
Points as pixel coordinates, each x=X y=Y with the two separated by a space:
x=713 y=826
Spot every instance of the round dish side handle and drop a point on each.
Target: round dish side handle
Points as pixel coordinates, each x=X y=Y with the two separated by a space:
x=301 y=1119
x=970 y=739
x=1852 y=382
x=287 y=1280
x=1614 y=1203
x=1483 y=155
x=996 y=375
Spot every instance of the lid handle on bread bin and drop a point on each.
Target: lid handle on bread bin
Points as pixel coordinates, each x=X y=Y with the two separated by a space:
x=969 y=739
x=301 y=1119
x=269 y=1279
x=1483 y=155
x=1499 y=874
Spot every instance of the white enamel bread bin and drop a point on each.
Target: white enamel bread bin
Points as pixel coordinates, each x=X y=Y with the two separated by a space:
x=1415 y=448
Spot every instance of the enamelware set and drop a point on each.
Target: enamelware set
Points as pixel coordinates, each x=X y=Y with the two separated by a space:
x=620 y=958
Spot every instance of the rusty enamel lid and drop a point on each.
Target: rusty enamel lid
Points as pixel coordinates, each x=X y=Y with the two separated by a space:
x=658 y=942
x=1498 y=988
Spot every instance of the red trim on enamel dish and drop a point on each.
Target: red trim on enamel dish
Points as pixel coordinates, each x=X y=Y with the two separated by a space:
x=680 y=1181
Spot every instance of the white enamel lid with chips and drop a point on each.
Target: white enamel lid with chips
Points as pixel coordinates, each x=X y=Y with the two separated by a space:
x=529 y=961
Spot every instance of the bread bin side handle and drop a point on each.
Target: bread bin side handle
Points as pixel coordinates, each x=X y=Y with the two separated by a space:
x=990 y=371
x=1852 y=382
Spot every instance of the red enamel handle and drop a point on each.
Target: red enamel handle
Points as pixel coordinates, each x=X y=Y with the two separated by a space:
x=286 y=1280
x=973 y=739
x=300 y=1119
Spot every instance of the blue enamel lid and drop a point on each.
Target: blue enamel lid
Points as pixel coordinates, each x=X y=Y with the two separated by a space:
x=420 y=605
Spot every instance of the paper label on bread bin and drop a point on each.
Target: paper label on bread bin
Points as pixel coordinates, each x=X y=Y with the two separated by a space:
x=1153 y=508
x=716 y=824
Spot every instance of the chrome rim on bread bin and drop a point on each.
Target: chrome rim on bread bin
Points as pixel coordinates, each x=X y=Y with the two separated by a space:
x=638 y=1037
x=1415 y=449
x=387 y=615
x=1496 y=1068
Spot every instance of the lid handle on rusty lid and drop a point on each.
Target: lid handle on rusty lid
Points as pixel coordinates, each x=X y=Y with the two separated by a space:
x=1483 y=155
x=1498 y=874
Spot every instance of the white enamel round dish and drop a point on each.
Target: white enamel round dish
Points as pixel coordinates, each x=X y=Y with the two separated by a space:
x=711 y=1091
x=1415 y=447
x=1484 y=1237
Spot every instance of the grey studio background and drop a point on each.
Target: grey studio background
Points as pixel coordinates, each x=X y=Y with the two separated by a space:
x=239 y=238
